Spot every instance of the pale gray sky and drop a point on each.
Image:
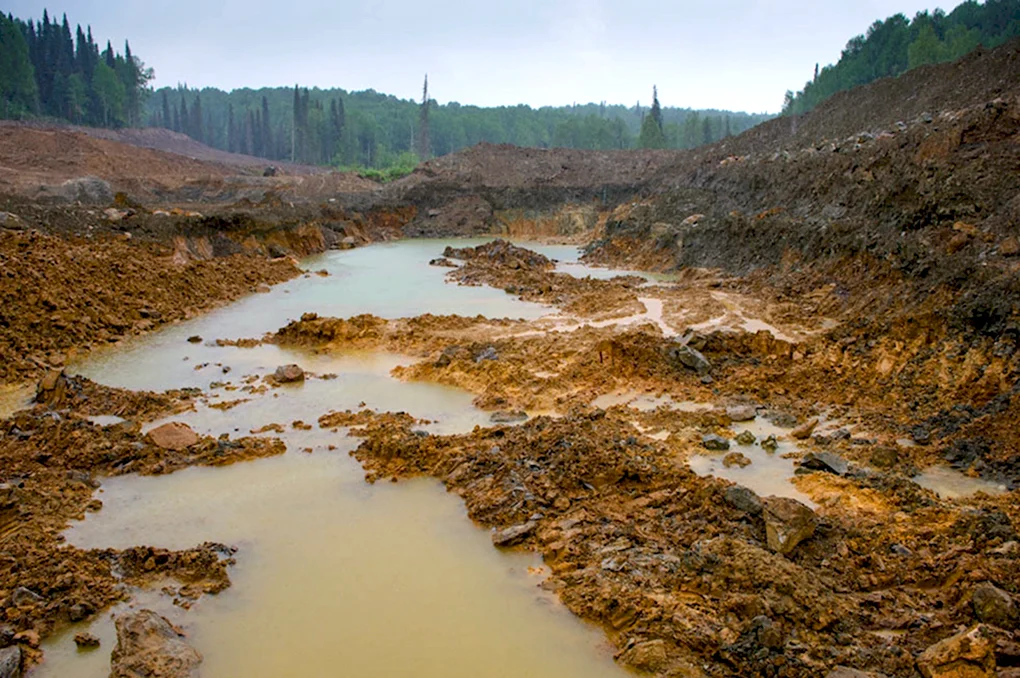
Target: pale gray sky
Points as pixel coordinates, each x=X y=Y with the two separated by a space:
x=728 y=54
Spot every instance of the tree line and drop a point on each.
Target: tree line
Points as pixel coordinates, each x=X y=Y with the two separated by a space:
x=44 y=71
x=896 y=45
x=370 y=129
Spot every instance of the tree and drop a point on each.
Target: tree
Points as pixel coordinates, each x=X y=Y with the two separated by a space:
x=110 y=94
x=19 y=94
x=651 y=127
x=424 y=145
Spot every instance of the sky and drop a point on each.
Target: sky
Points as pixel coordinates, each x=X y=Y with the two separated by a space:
x=739 y=55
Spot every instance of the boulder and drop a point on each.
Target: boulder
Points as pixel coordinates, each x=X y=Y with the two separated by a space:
x=10 y=662
x=825 y=461
x=994 y=606
x=11 y=221
x=148 y=645
x=743 y=499
x=289 y=374
x=175 y=436
x=787 y=523
x=804 y=431
x=968 y=654
x=741 y=412
x=770 y=444
x=715 y=443
x=746 y=438
x=514 y=534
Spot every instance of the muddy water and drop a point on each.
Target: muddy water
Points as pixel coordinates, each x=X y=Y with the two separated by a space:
x=950 y=483
x=333 y=576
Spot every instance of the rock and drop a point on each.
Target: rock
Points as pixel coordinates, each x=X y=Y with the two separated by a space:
x=767 y=632
x=787 y=523
x=648 y=656
x=994 y=606
x=11 y=221
x=885 y=457
x=10 y=662
x=113 y=215
x=1010 y=247
x=692 y=359
x=920 y=435
x=442 y=261
x=86 y=640
x=289 y=374
x=175 y=436
x=487 y=353
x=825 y=461
x=741 y=412
x=743 y=499
x=746 y=438
x=900 y=550
x=968 y=654
x=770 y=444
x=79 y=612
x=715 y=443
x=147 y=645
x=88 y=190
x=735 y=459
x=30 y=638
x=804 y=431
x=348 y=243
x=23 y=596
x=52 y=388
x=505 y=417
x=195 y=339
x=514 y=534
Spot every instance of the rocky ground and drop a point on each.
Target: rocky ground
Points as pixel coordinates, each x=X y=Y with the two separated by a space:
x=849 y=278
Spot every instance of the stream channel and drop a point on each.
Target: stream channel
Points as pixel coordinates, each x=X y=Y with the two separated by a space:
x=334 y=576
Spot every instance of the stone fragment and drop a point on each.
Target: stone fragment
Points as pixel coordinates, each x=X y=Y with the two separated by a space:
x=174 y=436
x=735 y=459
x=885 y=457
x=715 y=443
x=147 y=645
x=994 y=606
x=1010 y=247
x=847 y=672
x=787 y=523
x=741 y=412
x=288 y=374
x=195 y=339
x=23 y=596
x=743 y=499
x=513 y=534
x=648 y=656
x=746 y=438
x=825 y=461
x=692 y=359
x=770 y=444
x=804 y=431
x=86 y=641
x=968 y=654
x=10 y=662
x=508 y=417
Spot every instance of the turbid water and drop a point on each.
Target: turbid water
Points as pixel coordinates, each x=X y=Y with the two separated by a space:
x=333 y=576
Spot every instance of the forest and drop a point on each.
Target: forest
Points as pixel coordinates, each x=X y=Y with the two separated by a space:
x=896 y=45
x=46 y=72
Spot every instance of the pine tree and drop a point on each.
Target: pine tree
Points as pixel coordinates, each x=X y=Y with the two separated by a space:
x=265 y=133
x=167 y=121
x=652 y=135
x=424 y=143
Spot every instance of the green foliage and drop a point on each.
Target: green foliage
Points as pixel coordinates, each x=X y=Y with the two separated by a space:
x=896 y=45
x=652 y=134
x=19 y=94
x=44 y=71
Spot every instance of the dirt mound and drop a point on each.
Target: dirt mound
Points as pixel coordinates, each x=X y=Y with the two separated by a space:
x=37 y=161
x=79 y=294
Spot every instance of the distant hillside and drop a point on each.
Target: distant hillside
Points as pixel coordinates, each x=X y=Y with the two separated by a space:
x=896 y=45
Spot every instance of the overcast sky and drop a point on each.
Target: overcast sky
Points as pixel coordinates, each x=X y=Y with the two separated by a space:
x=727 y=54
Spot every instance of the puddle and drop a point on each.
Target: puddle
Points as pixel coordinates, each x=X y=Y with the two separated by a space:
x=382 y=580
x=105 y=420
x=949 y=483
x=769 y=474
x=332 y=574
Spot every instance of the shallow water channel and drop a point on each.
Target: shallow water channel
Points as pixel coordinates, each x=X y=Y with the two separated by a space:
x=333 y=576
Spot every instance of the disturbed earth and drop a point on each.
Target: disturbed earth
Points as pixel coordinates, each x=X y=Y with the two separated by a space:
x=722 y=464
